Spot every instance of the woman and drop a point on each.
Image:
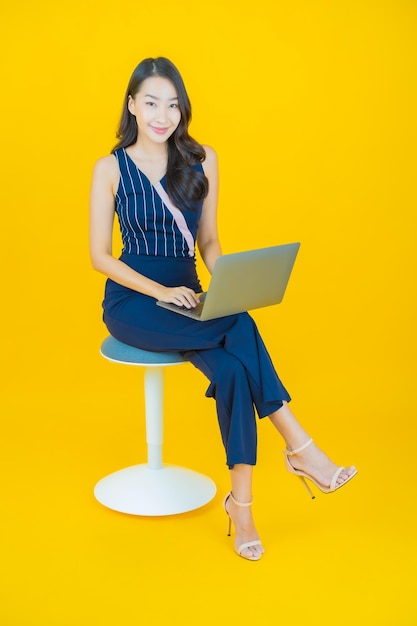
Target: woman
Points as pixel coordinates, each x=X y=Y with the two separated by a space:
x=163 y=186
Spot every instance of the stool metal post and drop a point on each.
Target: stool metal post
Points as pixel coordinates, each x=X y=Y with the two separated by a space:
x=154 y=397
x=151 y=488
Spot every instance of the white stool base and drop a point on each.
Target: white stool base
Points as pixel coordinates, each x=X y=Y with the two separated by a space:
x=139 y=490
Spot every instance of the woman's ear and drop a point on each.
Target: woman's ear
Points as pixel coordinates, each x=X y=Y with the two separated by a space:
x=131 y=105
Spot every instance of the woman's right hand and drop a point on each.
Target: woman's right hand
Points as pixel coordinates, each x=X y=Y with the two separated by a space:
x=181 y=296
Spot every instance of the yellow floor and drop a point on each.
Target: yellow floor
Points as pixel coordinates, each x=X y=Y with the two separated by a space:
x=341 y=559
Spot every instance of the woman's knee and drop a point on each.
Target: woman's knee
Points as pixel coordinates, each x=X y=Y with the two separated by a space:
x=229 y=369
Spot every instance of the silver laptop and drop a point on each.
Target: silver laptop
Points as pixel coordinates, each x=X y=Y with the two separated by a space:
x=243 y=281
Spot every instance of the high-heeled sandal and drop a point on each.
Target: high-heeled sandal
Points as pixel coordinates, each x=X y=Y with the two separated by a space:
x=334 y=485
x=248 y=544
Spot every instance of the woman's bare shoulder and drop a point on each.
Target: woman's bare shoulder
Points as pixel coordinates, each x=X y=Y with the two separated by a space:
x=106 y=172
x=210 y=153
x=210 y=162
x=106 y=165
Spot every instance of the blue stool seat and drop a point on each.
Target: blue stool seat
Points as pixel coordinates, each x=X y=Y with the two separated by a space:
x=151 y=488
x=119 y=352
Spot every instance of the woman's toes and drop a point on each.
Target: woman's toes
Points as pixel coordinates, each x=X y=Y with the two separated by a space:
x=248 y=552
x=349 y=472
x=345 y=475
x=252 y=552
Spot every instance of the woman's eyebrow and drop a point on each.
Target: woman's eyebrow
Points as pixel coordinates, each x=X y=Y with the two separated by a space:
x=149 y=95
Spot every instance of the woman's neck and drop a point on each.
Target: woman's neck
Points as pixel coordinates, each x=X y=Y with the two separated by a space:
x=150 y=159
x=149 y=150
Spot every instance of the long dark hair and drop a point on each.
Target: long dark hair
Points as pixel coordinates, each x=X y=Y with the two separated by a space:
x=186 y=186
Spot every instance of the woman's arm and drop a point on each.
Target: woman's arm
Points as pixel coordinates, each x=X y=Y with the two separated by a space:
x=208 y=237
x=103 y=190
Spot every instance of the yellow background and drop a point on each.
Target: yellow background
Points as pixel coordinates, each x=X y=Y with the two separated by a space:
x=311 y=106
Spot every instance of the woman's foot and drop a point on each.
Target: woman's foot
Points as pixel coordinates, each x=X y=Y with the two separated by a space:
x=245 y=532
x=313 y=462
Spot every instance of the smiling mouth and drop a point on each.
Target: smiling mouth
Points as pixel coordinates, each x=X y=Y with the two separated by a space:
x=159 y=131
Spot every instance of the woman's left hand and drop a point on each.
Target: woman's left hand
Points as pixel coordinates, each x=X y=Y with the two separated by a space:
x=181 y=296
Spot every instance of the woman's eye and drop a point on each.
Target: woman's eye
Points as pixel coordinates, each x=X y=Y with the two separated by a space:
x=151 y=104
x=173 y=106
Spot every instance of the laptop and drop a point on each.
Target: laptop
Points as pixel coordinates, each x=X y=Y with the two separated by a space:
x=243 y=281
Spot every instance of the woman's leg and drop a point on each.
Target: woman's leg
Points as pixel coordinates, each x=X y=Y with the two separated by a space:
x=241 y=478
x=311 y=460
x=230 y=388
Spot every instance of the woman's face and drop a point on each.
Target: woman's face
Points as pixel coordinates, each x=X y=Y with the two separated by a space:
x=156 y=109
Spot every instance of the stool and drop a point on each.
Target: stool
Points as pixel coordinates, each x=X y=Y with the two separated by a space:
x=151 y=488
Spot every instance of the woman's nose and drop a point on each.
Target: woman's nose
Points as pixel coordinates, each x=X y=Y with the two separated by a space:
x=162 y=114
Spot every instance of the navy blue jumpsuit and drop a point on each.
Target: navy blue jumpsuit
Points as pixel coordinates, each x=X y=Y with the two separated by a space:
x=229 y=350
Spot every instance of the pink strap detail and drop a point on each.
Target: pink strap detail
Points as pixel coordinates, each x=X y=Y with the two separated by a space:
x=178 y=217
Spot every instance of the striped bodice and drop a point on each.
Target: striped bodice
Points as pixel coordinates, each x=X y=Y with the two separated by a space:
x=146 y=225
